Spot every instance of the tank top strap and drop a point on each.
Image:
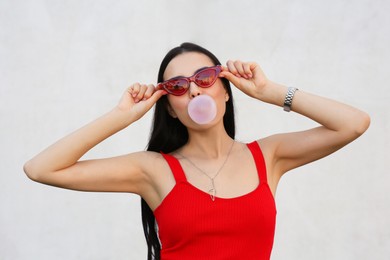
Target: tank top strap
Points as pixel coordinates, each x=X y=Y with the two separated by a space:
x=259 y=160
x=176 y=168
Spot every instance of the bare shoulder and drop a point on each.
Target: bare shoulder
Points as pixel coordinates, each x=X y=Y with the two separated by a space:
x=160 y=180
x=151 y=162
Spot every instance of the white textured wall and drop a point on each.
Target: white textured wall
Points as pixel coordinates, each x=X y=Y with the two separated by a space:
x=64 y=63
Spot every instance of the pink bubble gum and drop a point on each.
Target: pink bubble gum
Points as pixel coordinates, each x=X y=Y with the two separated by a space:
x=202 y=109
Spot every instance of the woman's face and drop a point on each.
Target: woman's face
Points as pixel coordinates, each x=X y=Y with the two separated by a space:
x=186 y=65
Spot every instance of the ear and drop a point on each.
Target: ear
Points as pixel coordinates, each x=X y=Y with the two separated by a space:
x=227 y=97
x=170 y=111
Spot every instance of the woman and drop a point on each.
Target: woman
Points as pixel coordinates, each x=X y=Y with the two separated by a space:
x=211 y=196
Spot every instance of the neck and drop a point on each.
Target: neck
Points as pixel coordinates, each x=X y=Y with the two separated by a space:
x=212 y=143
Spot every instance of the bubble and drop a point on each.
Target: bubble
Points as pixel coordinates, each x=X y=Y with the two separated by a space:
x=202 y=109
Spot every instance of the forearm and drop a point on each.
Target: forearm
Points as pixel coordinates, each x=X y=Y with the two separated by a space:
x=68 y=150
x=329 y=113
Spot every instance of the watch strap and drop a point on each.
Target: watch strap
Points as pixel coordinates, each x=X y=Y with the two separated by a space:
x=289 y=98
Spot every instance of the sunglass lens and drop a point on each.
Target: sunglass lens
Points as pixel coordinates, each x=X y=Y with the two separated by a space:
x=206 y=78
x=176 y=86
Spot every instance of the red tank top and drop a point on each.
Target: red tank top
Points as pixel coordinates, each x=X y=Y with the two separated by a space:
x=192 y=226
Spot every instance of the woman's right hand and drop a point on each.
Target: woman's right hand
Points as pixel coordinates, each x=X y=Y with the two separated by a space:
x=138 y=99
x=59 y=164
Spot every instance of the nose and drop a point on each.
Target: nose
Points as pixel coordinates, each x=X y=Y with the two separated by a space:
x=194 y=90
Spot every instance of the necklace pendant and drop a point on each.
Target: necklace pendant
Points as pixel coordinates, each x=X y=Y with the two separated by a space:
x=212 y=193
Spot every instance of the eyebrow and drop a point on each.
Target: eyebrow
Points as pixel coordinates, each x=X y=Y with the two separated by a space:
x=180 y=76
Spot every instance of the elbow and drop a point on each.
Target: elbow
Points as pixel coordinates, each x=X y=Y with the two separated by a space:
x=28 y=169
x=362 y=123
x=357 y=126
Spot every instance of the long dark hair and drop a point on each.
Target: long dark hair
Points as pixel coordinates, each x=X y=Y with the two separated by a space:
x=168 y=134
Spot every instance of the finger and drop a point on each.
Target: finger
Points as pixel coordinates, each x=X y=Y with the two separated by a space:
x=231 y=77
x=255 y=68
x=240 y=68
x=232 y=68
x=130 y=89
x=224 y=68
x=149 y=91
x=247 y=69
x=135 y=89
x=141 y=93
x=155 y=97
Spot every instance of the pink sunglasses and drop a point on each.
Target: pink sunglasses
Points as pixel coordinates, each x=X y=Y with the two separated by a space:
x=204 y=78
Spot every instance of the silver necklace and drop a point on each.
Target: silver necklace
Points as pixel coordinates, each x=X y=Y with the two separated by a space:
x=212 y=191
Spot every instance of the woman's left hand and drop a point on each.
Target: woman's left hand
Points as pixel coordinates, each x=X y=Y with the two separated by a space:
x=246 y=76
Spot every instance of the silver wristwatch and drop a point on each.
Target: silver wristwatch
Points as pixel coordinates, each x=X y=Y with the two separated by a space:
x=288 y=99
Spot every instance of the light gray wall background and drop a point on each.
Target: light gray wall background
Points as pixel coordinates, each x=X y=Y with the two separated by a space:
x=64 y=63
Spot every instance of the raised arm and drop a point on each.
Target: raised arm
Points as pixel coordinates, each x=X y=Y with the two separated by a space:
x=59 y=165
x=340 y=123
